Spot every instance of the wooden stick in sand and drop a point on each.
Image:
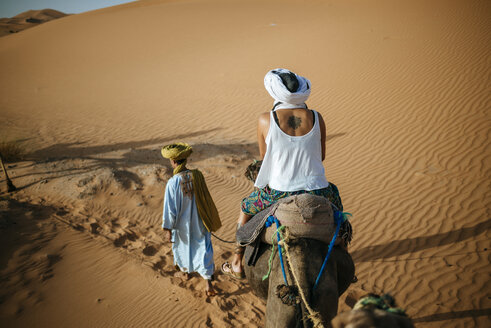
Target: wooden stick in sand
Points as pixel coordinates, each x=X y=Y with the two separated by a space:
x=10 y=185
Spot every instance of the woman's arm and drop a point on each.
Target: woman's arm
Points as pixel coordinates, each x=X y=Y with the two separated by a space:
x=262 y=132
x=323 y=135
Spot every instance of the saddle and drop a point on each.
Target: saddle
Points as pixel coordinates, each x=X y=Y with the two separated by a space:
x=305 y=215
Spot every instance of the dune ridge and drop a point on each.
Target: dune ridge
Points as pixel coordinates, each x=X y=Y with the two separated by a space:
x=27 y=20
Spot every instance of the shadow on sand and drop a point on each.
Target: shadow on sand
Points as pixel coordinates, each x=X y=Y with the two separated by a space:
x=131 y=154
x=18 y=220
x=405 y=246
x=79 y=149
x=454 y=315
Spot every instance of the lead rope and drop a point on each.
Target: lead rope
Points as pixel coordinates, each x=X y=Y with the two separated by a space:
x=313 y=315
x=223 y=240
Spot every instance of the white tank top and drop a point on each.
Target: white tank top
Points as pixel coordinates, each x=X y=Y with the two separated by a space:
x=292 y=163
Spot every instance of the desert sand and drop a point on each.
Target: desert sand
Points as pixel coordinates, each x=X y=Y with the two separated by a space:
x=404 y=88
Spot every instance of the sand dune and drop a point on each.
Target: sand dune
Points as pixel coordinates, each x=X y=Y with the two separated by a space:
x=403 y=87
x=27 y=20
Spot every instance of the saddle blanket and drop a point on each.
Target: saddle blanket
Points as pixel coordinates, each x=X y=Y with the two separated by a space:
x=305 y=215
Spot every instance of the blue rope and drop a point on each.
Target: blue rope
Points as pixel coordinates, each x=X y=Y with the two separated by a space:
x=339 y=217
x=269 y=222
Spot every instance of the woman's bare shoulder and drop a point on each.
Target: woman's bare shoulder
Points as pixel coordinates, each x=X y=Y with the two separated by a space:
x=264 y=118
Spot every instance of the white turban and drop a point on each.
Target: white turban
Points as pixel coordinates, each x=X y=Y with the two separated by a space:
x=280 y=93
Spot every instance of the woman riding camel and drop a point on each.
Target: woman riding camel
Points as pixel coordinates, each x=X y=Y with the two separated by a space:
x=292 y=144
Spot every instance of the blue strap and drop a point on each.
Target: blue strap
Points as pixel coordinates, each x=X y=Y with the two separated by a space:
x=339 y=217
x=269 y=222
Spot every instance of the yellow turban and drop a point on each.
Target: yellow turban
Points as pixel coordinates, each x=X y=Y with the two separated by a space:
x=177 y=151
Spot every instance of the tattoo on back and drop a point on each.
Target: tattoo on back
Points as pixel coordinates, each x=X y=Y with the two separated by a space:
x=294 y=122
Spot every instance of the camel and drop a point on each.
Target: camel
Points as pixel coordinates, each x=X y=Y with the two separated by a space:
x=373 y=311
x=307 y=256
x=299 y=304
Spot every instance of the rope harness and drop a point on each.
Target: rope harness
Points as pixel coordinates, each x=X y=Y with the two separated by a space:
x=269 y=222
x=290 y=298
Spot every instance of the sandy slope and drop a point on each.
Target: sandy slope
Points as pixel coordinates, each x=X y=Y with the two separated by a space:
x=403 y=87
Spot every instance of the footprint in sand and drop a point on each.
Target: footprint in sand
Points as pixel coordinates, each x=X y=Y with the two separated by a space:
x=149 y=251
x=94 y=228
x=119 y=242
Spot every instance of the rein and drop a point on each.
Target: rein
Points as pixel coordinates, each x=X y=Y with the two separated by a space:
x=339 y=218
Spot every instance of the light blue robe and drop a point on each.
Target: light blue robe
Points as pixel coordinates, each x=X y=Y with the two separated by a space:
x=192 y=247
